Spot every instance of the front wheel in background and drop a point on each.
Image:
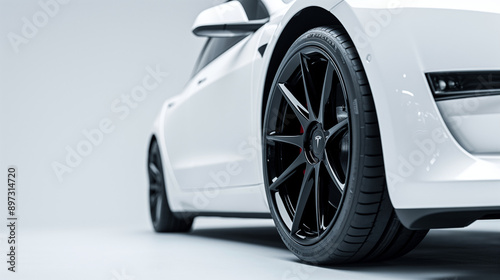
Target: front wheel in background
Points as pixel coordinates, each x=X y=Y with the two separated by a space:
x=323 y=162
x=161 y=216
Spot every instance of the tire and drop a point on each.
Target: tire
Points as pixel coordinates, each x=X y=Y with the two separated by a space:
x=323 y=164
x=161 y=216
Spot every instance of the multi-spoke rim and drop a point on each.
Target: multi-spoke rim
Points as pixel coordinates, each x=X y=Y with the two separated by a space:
x=307 y=144
x=156 y=184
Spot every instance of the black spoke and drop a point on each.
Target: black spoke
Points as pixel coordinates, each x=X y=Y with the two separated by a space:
x=331 y=171
x=297 y=108
x=341 y=126
x=308 y=85
x=154 y=172
x=296 y=140
x=158 y=208
x=153 y=196
x=317 y=198
x=276 y=182
x=305 y=191
x=327 y=88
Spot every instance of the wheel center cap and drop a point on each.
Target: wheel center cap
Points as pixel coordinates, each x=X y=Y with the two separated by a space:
x=318 y=142
x=315 y=145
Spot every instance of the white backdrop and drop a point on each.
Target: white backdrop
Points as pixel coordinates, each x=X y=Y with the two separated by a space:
x=63 y=68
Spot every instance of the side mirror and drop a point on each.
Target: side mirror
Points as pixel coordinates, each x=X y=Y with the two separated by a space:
x=226 y=20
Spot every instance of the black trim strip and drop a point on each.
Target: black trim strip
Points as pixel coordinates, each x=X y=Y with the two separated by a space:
x=445 y=217
x=481 y=87
x=262 y=49
x=465 y=94
x=226 y=30
x=192 y=214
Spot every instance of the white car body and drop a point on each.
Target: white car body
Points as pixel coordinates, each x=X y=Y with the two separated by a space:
x=438 y=155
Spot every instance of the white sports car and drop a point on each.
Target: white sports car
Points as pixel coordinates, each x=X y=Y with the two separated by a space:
x=356 y=125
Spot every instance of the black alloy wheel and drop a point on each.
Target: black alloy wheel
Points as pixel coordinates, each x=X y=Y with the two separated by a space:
x=161 y=216
x=311 y=144
x=323 y=163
